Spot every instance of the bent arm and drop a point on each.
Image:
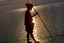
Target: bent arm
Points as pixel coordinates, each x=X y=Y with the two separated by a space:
x=35 y=14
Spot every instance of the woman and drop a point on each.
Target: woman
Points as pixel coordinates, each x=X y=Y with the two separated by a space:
x=28 y=22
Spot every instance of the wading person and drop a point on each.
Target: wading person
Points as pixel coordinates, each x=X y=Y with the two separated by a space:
x=28 y=22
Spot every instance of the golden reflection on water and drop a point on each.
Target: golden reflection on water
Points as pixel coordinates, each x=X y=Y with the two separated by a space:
x=35 y=28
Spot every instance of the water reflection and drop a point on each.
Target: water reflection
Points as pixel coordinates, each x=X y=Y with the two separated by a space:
x=35 y=28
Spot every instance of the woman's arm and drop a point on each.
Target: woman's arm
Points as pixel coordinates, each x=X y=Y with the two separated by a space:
x=35 y=14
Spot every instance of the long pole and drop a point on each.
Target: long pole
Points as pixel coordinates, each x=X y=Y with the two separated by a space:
x=42 y=21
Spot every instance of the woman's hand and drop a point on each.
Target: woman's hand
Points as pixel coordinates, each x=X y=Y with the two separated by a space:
x=36 y=13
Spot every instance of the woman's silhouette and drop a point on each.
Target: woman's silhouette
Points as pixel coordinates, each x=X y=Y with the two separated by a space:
x=28 y=22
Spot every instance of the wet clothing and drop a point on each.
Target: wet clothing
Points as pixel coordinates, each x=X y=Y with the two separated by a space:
x=28 y=22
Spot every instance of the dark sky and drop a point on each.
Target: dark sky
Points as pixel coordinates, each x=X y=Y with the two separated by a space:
x=13 y=4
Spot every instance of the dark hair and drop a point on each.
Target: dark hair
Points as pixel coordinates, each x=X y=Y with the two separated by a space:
x=29 y=5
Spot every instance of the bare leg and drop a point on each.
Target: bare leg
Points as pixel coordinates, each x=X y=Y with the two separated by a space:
x=32 y=36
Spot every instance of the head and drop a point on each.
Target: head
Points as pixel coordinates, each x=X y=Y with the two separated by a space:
x=29 y=6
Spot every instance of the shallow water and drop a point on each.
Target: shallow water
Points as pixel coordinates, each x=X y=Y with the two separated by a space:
x=12 y=28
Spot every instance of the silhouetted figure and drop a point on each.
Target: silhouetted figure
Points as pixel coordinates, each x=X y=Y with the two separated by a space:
x=28 y=22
